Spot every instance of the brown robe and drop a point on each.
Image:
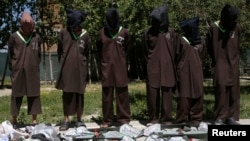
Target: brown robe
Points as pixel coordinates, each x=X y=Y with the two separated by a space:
x=224 y=52
x=223 y=49
x=190 y=81
x=159 y=51
x=24 y=60
x=114 y=70
x=160 y=57
x=73 y=57
x=189 y=69
x=113 y=53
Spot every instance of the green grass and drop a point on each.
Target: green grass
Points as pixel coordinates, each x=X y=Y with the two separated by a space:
x=52 y=104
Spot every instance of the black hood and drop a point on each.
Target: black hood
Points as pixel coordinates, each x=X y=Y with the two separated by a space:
x=191 y=30
x=228 y=17
x=112 y=19
x=75 y=18
x=159 y=17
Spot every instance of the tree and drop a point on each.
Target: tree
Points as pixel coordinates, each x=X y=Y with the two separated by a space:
x=134 y=16
x=46 y=28
x=10 y=17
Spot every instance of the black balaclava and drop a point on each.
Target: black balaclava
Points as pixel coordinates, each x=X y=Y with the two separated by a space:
x=75 y=18
x=228 y=17
x=191 y=30
x=159 y=18
x=112 y=19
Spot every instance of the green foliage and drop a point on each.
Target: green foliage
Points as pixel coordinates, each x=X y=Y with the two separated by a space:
x=134 y=16
x=45 y=23
x=10 y=12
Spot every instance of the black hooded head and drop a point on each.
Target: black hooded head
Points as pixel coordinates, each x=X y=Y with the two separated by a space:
x=191 y=30
x=112 y=19
x=159 y=17
x=228 y=17
x=75 y=18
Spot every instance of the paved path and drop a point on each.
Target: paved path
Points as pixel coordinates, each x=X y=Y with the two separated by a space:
x=5 y=92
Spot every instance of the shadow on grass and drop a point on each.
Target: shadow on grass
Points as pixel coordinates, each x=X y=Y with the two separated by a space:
x=139 y=103
x=208 y=109
x=244 y=89
x=139 y=112
x=5 y=87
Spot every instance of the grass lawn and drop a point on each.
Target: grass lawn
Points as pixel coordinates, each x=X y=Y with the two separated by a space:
x=52 y=104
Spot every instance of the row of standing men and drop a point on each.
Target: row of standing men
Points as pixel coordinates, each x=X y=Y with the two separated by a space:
x=174 y=66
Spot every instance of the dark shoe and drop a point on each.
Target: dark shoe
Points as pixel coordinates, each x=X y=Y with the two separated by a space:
x=17 y=125
x=80 y=123
x=64 y=126
x=231 y=121
x=219 y=122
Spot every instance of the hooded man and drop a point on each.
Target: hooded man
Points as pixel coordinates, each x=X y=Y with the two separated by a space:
x=159 y=18
x=73 y=45
x=112 y=23
x=112 y=43
x=27 y=24
x=24 y=51
x=159 y=44
x=190 y=56
x=223 y=44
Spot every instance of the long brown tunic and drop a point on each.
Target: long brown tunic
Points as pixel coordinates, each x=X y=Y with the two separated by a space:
x=224 y=52
x=72 y=55
x=24 y=60
x=113 y=53
x=189 y=69
x=223 y=49
x=160 y=53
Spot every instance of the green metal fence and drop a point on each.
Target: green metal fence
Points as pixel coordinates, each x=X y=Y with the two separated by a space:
x=48 y=68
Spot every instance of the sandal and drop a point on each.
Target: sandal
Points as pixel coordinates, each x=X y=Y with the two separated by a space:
x=64 y=126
